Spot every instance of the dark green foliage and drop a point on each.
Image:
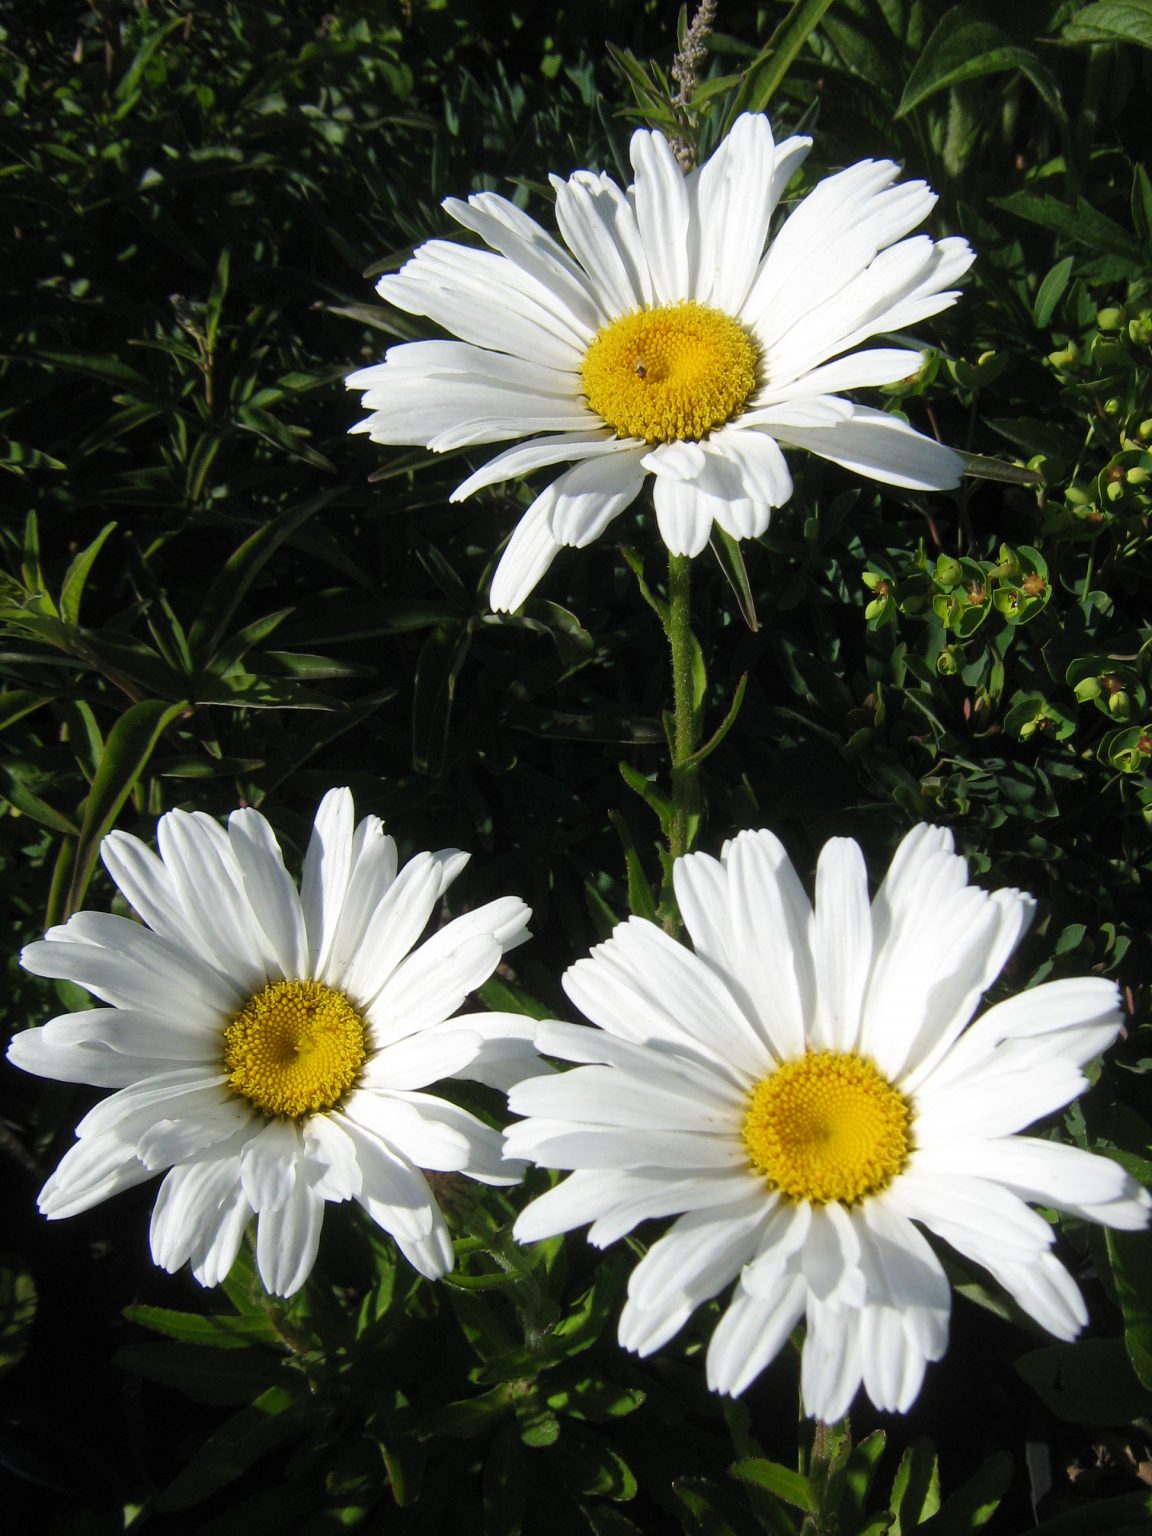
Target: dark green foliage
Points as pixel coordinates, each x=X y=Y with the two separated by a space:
x=211 y=595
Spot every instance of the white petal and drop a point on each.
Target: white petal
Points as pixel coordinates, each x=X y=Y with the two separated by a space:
x=599 y=224
x=422 y=1058
x=128 y=966
x=110 y=1047
x=607 y=1096
x=490 y=302
x=976 y=1216
x=1048 y=1172
x=200 y=1215
x=400 y=917
x=683 y=515
x=514 y=234
x=642 y=985
x=571 y=1144
x=841 y=944
x=662 y=215
x=327 y=867
x=209 y=886
x=1046 y=1291
x=270 y=889
x=881 y=365
x=732 y=206
x=527 y=557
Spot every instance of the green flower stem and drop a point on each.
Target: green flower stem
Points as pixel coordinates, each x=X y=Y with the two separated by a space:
x=679 y=631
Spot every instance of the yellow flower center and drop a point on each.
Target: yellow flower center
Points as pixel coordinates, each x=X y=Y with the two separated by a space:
x=826 y=1127
x=669 y=373
x=294 y=1049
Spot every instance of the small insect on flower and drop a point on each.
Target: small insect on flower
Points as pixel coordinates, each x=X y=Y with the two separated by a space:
x=269 y=1045
x=669 y=336
x=805 y=1092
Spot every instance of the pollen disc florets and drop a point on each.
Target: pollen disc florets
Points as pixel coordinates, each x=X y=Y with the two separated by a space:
x=670 y=373
x=827 y=1127
x=294 y=1049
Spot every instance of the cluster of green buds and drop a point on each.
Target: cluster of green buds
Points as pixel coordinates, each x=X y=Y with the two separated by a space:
x=961 y=593
x=1114 y=687
x=1129 y=749
x=1110 y=374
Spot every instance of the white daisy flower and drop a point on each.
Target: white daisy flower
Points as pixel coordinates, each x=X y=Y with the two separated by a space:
x=802 y=1092
x=666 y=340
x=269 y=1046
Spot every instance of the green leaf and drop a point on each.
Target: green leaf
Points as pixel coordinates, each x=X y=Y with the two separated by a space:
x=77 y=575
x=225 y=1332
x=641 y=897
x=1128 y=1515
x=441 y=657
x=1051 y=291
x=240 y=570
x=730 y=559
x=1142 y=205
x=1111 y=21
x=654 y=798
x=964 y=47
x=1091 y=1382
x=130 y=744
x=975 y=1502
x=793 y=1487
x=915 y=1488
x=220 y=1377
x=1130 y=1254
x=15 y=703
x=767 y=70
x=276 y=1416
x=17 y=1310
x=721 y=730
x=1081 y=223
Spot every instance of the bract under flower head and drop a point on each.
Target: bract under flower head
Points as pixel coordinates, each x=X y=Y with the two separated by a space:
x=805 y=1092
x=268 y=1045
x=668 y=337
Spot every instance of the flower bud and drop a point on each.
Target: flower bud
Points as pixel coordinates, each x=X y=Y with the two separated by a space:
x=948 y=571
x=1110 y=319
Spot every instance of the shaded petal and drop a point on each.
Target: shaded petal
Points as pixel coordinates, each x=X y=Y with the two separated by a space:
x=92 y=1171
x=287 y=1238
x=882 y=447
x=752 y=1333
x=540 y=453
x=698 y=1256
x=589 y=496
